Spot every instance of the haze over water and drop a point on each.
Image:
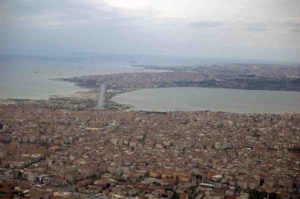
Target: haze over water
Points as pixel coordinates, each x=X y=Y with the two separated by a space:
x=30 y=78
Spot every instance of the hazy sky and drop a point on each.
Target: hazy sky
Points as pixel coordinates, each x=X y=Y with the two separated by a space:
x=242 y=29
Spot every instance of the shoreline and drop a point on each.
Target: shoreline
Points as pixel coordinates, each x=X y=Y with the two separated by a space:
x=238 y=76
x=88 y=97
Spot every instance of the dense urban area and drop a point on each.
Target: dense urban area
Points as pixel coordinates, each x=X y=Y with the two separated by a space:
x=67 y=148
x=67 y=153
x=241 y=76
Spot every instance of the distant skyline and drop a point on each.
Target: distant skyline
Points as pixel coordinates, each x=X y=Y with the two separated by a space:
x=229 y=29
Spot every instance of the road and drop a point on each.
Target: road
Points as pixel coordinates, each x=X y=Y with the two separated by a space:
x=101 y=95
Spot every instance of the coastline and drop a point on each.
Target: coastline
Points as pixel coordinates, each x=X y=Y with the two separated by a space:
x=200 y=77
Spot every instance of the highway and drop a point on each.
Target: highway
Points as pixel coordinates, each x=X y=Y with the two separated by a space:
x=101 y=95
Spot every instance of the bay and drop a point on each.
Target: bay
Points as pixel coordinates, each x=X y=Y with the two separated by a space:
x=213 y=99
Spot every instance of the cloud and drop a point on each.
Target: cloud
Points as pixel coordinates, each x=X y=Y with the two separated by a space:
x=256 y=27
x=150 y=26
x=248 y=26
x=40 y=13
x=64 y=13
x=282 y=25
x=292 y=24
x=207 y=24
